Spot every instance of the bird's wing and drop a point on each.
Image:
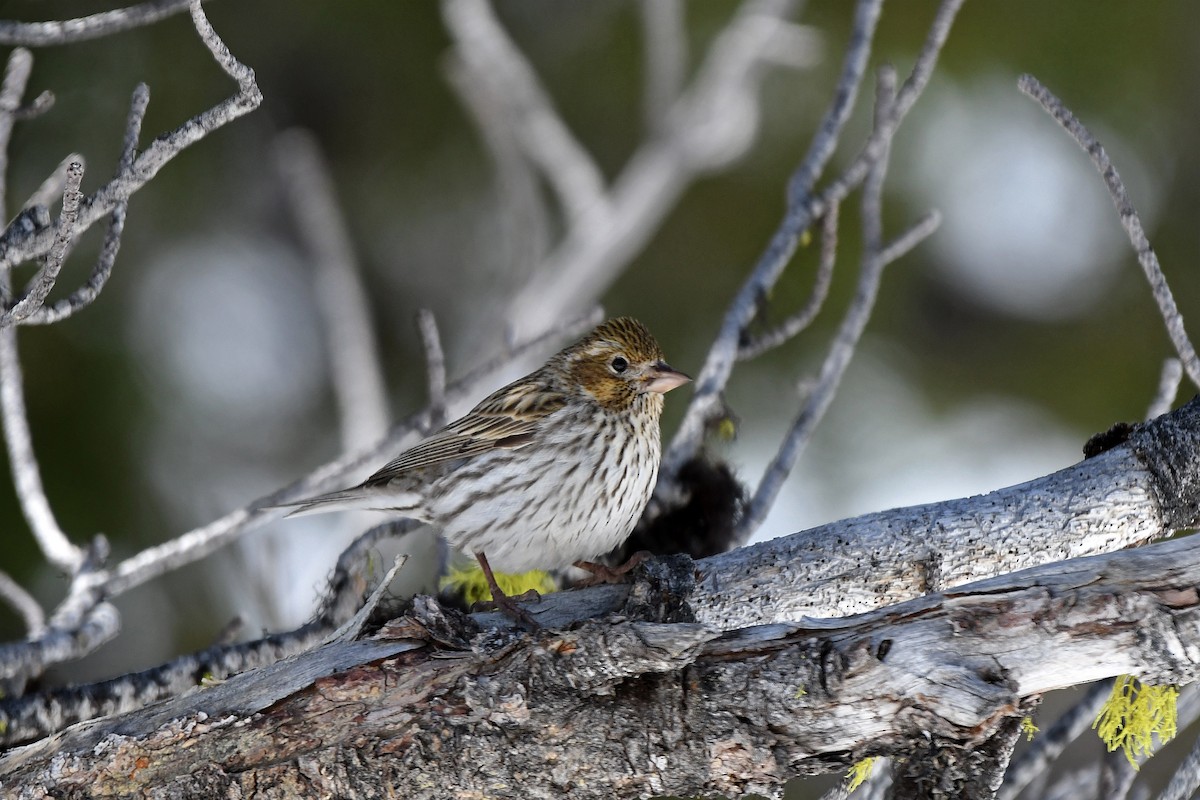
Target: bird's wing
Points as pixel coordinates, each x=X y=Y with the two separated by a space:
x=508 y=418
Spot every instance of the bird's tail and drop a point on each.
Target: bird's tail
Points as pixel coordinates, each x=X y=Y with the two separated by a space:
x=359 y=498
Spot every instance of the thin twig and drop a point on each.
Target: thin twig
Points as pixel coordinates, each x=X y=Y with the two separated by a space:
x=82 y=622
x=1168 y=388
x=665 y=54
x=702 y=135
x=352 y=627
x=910 y=91
x=903 y=244
x=1130 y=221
x=52 y=188
x=485 y=47
x=40 y=105
x=803 y=207
x=29 y=658
x=357 y=372
x=722 y=356
x=793 y=325
x=23 y=603
x=842 y=349
x=54 y=544
x=68 y=31
x=43 y=281
x=525 y=221
x=16 y=77
x=435 y=366
x=20 y=244
x=85 y=295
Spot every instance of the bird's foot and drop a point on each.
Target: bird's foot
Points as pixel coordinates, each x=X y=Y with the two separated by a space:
x=509 y=606
x=502 y=602
x=602 y=573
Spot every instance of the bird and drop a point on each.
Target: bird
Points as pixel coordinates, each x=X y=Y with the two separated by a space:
x=552 y=470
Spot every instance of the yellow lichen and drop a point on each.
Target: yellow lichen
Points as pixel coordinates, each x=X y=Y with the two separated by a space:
x=859 y=773
x=1028 y=728
x=469 y=582
x=1134 y=714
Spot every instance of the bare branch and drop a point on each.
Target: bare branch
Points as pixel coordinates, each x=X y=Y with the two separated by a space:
x=52 y=188
x=796 y=323
x=85 y=295
x=1168 y=388
x=949 y=669
x=20 y=244
x=435 y=365
x=16 y=77
x=22 y=659
x=665 y=54
x=357 y=372
x=350 y=630
x=54 y=544
x=903 y=244
x=721 y=357
x=485 y=48
x=23 y=603
x=802 y=208
x=1129 y=220
x=702 y=135
x=68 y=31
x=82 y=622
x=43 y=281
x=842 y=349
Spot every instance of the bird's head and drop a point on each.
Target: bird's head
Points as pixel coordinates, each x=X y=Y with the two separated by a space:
x=618 y=362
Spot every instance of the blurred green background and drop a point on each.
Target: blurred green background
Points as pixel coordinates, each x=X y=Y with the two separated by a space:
x=198 y=381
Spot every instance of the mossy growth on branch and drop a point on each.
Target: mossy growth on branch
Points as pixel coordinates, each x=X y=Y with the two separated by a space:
x=1134 y=714
x=469 y=583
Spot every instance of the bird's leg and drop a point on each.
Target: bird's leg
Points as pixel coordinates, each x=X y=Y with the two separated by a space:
x=503 y=602
x=602 y=573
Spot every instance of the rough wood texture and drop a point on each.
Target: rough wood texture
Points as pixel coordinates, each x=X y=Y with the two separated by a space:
x=626 y=707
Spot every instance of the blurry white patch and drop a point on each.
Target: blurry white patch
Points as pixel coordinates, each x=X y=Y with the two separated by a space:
x=881 y=446
x=229 y=325
x=1028 y=228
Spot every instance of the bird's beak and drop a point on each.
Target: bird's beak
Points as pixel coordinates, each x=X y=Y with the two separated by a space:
x=662 y=379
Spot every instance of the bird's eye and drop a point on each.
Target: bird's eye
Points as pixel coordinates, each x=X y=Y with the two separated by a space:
x=619 y=365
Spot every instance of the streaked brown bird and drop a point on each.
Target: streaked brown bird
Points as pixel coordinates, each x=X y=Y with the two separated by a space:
x=551 y=470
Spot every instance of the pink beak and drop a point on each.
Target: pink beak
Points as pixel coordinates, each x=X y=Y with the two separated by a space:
x=661 y=378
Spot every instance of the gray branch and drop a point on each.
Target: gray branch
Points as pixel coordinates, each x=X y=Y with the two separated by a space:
x=23 y=603
x=355 y=368
x=1130 y=221
x=95 y=26
x=20 y=243
x=435 y=365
